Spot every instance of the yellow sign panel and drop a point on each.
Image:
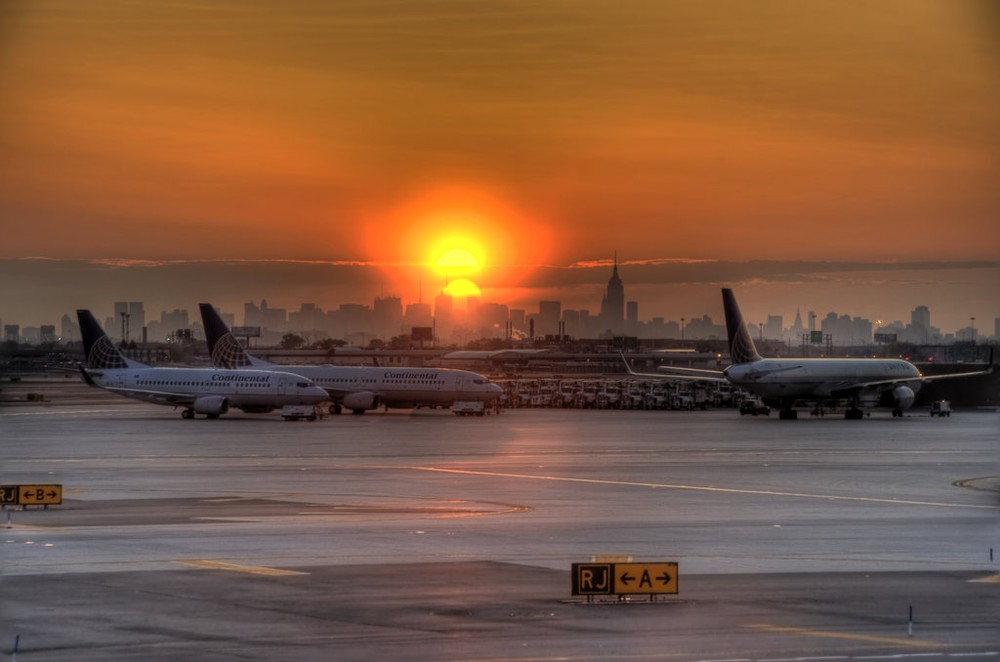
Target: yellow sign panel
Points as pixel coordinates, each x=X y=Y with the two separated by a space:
x=646 y=578
x=39 y=495
x=624 y=578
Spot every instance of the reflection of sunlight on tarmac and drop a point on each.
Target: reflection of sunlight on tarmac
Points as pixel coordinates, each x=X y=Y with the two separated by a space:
x=725 y=490
x=437 y=509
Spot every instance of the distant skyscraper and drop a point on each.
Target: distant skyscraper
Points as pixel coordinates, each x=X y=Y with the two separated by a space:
x=388 y=316
x=444 y=317
x=549 y=314
x=251 y=315
x=797 y=327
x=773 y=327
x=130 y=318
x=613 y=303
x=632 y=315
x=137 y=319
x=920 y=321
x=68 y=328
x=518 y=320
x=418 y=314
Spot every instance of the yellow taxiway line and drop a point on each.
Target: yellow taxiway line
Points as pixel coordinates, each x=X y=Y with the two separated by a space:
x=238 y=567
x=706 y=488
x=806 y=632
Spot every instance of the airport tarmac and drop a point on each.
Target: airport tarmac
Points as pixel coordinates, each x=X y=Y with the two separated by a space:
x=419 y=535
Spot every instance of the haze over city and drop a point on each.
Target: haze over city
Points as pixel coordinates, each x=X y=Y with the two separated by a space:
x=816 y=156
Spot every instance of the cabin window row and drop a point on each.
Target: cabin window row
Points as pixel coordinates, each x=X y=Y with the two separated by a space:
x=157 y=382
x=342 y=380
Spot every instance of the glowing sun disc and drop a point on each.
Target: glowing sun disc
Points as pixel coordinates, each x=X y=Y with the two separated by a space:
x=462 y=287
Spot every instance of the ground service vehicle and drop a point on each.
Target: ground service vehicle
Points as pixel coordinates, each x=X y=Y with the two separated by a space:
x=941 y=408
x=754 y=407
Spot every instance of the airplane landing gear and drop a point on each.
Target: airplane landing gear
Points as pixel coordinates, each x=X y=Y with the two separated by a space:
x=788 y=414
x=187 y=413
x=853 y=414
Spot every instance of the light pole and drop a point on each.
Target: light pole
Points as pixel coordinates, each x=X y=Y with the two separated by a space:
x=972 y=321
x=125 y=317
x=682 y=329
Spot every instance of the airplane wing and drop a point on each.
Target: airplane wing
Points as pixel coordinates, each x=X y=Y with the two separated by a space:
x=669 y=369
x=162 y=397
x=159 y=397
x=339 y=393
x=887 y=383
x=702 y=376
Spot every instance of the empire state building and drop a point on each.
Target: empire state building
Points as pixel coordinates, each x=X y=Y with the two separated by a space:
x=613 y=303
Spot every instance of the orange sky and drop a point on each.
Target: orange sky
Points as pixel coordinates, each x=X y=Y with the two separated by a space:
x=552 y=132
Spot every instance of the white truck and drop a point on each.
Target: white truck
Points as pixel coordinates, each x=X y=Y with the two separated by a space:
x=298 y=412
x=469 y=408
x=941 y=408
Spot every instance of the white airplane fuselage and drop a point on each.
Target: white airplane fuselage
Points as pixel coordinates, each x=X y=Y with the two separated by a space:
x=358 y=388
x=400 y=387
x=210 y=391
x=783 y=379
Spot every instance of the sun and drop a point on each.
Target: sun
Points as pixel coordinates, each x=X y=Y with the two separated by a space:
x=462 y=287
x=455 y=231
x=456 y=256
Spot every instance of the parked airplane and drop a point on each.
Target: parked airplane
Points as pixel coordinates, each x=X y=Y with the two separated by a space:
x=354 y=387
x=783 y=382
x=207 y=391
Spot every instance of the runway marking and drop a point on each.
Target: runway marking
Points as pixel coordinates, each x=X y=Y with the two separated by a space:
x=895 y=641
x=986 y=654
x=702 y=488
x=237 y=567
x=896 y=656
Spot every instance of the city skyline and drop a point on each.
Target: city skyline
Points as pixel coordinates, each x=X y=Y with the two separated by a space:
x=617 y=314
x=821 y=154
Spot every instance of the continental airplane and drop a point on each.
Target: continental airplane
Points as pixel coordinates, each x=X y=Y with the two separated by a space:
x=357 y=388
x=783 y=382
x=207 y=391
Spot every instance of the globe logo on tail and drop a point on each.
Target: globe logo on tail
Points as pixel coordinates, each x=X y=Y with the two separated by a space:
x=229 y=353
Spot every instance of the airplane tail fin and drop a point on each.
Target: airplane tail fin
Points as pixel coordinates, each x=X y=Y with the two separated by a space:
x=741 y=347
x=99 y=351
x=225 y=350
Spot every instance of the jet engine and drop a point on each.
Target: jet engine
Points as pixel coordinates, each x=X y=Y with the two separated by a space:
x=903 y=395
x=211 y=405
x=361 y=401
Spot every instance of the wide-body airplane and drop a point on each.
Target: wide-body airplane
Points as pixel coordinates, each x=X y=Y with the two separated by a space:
x=784 y=382
x=358 y=388
x=207 y=391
